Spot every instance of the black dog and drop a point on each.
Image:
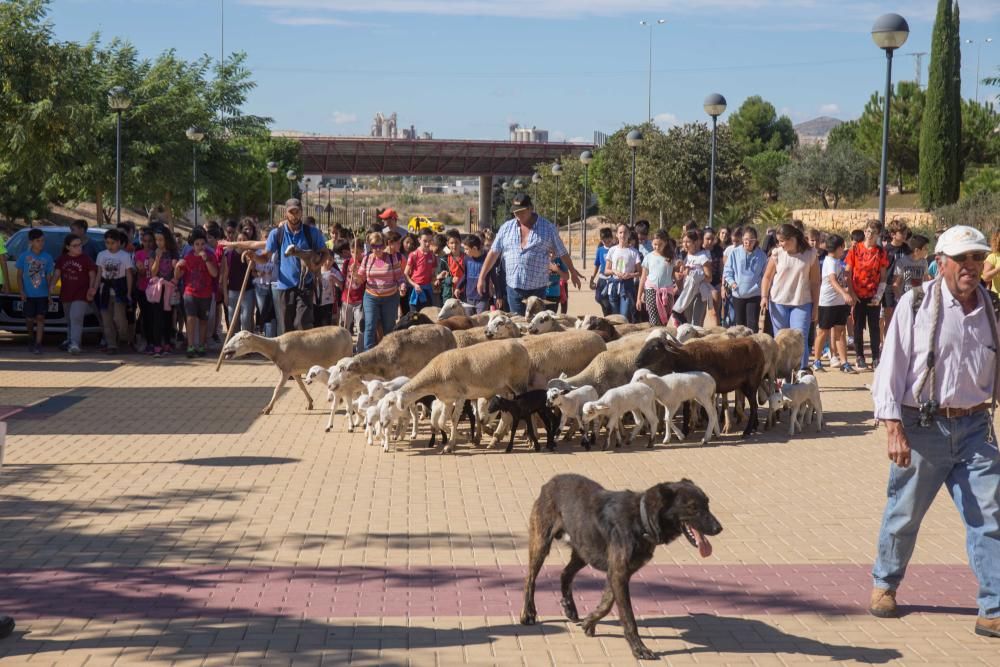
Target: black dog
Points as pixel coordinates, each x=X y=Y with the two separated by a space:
x=614 y=532
x=521 y=408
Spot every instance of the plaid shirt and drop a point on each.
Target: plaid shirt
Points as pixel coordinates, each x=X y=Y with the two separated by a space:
x=528 y=268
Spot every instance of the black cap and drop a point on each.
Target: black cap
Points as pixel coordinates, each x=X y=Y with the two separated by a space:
x=520 y=202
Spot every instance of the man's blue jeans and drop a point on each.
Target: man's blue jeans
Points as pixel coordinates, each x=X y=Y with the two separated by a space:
x=954 y=452
x=793 y=317
x=382 y=309
x=516 y=297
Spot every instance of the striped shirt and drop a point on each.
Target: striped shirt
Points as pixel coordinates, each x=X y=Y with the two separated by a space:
x=528 y=268
x=382 y=277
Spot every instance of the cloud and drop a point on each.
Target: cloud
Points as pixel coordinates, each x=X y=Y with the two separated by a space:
x=344 y=118
x=578 y=140
x=829 y=109
x=287 y=19
x=666 y=120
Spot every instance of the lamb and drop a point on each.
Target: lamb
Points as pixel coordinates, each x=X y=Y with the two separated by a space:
x=676 y=388
x=609 y=369
x=478 y=371
x=635 y=398
x=440 y=411
x=347 y=387
x=570 y=404
x=733 y=363
x=802 y=397
x=521 y=409
x=501 y=327
x=293 y=353
x=545 y=322
x=791 y=344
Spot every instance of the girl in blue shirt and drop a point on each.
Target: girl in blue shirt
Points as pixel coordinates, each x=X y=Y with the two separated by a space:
x=742 y=275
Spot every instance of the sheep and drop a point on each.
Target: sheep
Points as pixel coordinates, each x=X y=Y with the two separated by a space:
x=471 y=337
x=534 y=305
x=611 y=368
x=378 y=388
x=293 y=353
x=347 y=387
x=791 y=344
x=400 y=353
x=674 y=389
x=545 y=322
x=601 y=325
x=501 y=327
x=521 y=409
x=455 y=322
x=802 y=397
x=614 y=403
x=478 y=371
x=430 y=311
x=440 y=411
x=483 y=318
x=451 y=307
x=736 y=363
x=630 y=328
x=570 y=404
x=412 y=319
x=560 y=352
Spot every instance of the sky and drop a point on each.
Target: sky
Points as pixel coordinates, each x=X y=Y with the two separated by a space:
x=465 y=69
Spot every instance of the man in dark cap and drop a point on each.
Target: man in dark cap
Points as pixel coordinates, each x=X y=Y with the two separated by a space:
x=524 y=244
x=295 y=287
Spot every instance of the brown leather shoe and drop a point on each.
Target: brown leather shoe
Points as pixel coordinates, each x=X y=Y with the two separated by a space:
x=883 y=603
x=988 y=627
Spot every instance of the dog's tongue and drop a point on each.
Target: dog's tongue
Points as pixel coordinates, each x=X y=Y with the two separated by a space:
x=704 y=546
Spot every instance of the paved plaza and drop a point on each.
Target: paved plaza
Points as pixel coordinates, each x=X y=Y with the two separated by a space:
x=149 y=514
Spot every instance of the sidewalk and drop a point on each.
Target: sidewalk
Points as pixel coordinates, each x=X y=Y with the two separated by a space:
x=149 y=514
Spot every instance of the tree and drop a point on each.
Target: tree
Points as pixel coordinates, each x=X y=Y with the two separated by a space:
x=567 y=190
x=980 y=140
x=827 y=176
x=941 y=127
x=756 y=127
x=905 y=114
x=846 y=133
x=765 y=171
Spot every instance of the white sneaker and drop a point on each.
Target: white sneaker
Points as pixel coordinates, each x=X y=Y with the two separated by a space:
x=834 y=361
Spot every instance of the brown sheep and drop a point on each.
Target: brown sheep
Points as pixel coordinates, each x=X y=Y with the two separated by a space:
x=455 y=322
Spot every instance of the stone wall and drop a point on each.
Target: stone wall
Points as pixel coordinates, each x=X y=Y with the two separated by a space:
x=842 y=221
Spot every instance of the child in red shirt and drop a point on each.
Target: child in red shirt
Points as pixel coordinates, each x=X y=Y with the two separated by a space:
x=78 y=275
x=199 y=270
x=352 y=311
x=420 y=266
x=456 y=267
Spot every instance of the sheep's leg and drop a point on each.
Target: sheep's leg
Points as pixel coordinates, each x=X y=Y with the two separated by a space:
x=453 y=432
x=513 y=431
x=639 y=420
x=793 y=417
x=651 y=416
x=819 y=416
x=333 y=411
x=529 y=430
x=501 y=430
x=385 y=432
x=413 y=423
x=282 y=379
x=302 y=386
x=713 y=422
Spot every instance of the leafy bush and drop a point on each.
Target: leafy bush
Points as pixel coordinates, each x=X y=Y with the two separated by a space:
x=985 y=179
x=981 y=210
x=773 y=215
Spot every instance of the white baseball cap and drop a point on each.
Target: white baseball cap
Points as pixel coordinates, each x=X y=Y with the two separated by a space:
x=961 y=239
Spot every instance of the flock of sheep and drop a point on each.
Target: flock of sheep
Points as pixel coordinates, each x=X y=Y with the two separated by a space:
x=500 y=370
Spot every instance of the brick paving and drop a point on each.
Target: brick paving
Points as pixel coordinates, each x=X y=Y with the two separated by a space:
x=149 y=514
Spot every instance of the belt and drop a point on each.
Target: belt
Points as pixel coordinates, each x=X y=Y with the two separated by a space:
x=956 y=413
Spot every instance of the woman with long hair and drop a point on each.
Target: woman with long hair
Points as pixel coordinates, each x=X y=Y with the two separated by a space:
x=384 y=281
x=790 y=287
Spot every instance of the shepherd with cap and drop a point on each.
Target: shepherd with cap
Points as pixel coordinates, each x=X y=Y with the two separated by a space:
x=936 y=391
x=524 y=244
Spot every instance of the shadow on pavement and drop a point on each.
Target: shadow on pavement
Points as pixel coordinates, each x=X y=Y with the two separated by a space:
x=45 y=366
x=727 y=634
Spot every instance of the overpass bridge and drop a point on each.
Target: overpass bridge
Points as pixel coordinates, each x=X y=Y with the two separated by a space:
x=355 y=156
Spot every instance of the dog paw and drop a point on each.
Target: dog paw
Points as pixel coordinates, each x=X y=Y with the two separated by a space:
x=528 y=617
x=588 y=627
x=569 y=609
x=643 y=653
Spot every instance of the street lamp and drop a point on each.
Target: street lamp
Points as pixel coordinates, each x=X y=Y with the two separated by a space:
x=634 y=140
x=889 y=33
x=649 y=91
x=586 y=157
x=292 y=177
x=557 y=172
x=118 y=101
x=195 y=134
x=272 y=169
x=715 y=106
x=979 y=54
x=305 y=201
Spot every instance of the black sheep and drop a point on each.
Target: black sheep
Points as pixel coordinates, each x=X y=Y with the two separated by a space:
x=521 y=408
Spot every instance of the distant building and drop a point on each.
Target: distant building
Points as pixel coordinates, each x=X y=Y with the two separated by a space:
x=524 y=135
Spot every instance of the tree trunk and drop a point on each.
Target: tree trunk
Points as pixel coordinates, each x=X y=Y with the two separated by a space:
x=167 y=196
x=822 y=199
x=899 y=180
x=99 y=205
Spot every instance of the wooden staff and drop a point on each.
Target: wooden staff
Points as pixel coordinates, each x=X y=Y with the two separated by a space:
x=236 y=315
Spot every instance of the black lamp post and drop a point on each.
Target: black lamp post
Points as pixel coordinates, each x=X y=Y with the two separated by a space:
x=305 y=201
x=118 y=101
x=272 y=169
x=634 y=140
x=586 y=157
x=715 y=106
x=889 y=33
x=556 y=172
x=195 y=134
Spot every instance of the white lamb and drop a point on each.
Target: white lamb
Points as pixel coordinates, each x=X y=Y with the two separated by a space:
x=570 y=404
x=635 y=398
x=545 y=322
x=347 y=387
x=673 y=389
x=802 y=397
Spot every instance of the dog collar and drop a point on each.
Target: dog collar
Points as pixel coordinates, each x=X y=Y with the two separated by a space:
x=651 y=533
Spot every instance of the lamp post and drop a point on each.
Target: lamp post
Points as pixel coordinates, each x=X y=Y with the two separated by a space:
x=889 y=33
x=305 y=200
x=979 y=55
x=649 y=87
x=634 y=140
x=715 y=106
x=557 y=172
x=272 y=169
x=586 y=157
x=195 y=134
x=118 y=101
x=292 y=177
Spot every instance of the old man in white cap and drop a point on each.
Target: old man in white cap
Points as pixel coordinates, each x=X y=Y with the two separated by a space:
x=936 y=391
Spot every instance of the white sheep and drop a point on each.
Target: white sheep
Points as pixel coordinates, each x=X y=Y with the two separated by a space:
x=534 y=305
x=500 y=327
x=791 y=344
x=635 y=398
x=673 y=389
x=293 y=353
x=544 y=322
x=803 y=398
x=570 y=404
x=348 y=387
x=451 y=307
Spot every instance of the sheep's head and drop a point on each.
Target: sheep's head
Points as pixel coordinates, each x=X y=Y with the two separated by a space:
x=542 y=322
x=451 y=307
x=593 y=409
x=739 y=331
x=659 y=354
x=501 y=327
x=642 y=375
x=560 y=383
x=340 y=374
x=412 y=319
x=686 y=332
x=496 y=404
x=388 y=410
x=374 y=387
x=239 y=345
x=314 y=372
x=553 y=397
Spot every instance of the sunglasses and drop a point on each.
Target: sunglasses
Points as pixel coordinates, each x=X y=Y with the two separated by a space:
x=377 y=246
x=974 y=256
